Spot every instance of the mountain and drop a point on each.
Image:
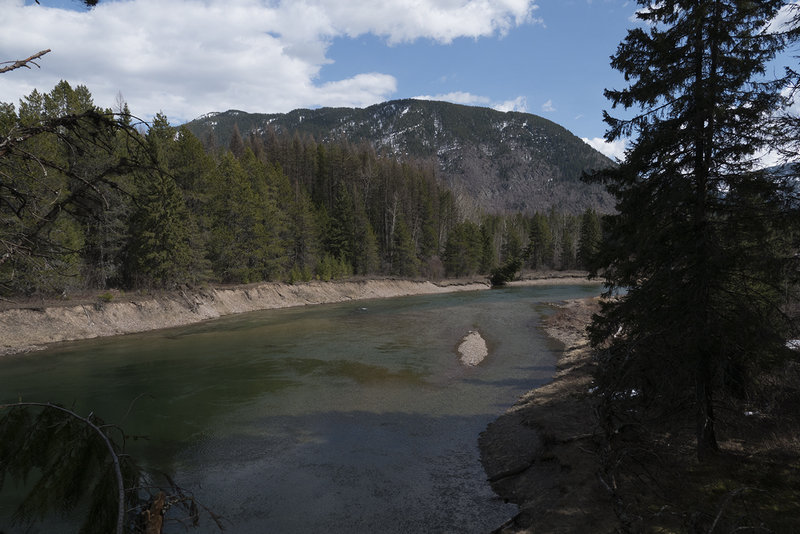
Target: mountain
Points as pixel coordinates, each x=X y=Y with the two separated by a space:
x=500 y=161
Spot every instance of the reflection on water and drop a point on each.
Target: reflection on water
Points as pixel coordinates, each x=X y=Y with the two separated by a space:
x=344 y=418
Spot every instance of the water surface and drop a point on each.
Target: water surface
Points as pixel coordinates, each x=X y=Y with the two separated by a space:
x=352 y=417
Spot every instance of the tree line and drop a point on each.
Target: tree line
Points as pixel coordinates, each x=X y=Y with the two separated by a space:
x=110 y=202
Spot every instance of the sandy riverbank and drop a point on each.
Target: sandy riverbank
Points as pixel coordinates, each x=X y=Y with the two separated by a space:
x=30 y=328
x=33 y=324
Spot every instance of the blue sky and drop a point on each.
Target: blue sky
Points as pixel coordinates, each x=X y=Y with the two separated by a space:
x=189 y=57
x=557 y=68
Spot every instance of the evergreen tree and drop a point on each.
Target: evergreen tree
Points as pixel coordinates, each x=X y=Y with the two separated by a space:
x=61 y=191
x=568 y=256
x=702 y=238
x=162 y=251
x=589 y=239
x=236 y=145
x=404 y=254
x=488 y=249
x=462 y=254
x=540 y=243
x=242 y=246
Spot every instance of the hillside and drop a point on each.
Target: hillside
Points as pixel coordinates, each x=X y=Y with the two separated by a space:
x=500 y=161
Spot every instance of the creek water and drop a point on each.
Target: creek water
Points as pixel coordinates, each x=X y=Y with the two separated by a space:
x=351 y=417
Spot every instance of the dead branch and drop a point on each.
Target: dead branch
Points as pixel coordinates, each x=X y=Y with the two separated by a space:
x=23 y=62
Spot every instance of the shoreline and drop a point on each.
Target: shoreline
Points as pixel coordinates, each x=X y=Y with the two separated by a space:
x=37 y=324
x=539 y=454
x=542 y=454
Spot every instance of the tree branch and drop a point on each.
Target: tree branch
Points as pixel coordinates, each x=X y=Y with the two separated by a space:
x=23 y=62
x=102 y=435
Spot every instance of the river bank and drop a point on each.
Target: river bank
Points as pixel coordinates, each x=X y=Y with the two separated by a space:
x=32 y=327
x=32 y=324
x=541 y=454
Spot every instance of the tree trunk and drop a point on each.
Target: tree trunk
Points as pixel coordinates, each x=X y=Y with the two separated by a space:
x=704 y=419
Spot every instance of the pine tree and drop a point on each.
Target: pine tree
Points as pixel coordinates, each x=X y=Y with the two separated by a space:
x=162 y=252
x=404 y=254
x=62 y=191
x=701 y=241
x=589 y=239
x=540 y=243
x=462 y=254
x=236 y=145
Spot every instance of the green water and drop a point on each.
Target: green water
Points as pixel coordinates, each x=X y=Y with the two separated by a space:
x=354 y=417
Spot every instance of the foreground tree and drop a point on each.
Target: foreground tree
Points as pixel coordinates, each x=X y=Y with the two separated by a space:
x=69 y=462
x=703 y=240
x=62 y=168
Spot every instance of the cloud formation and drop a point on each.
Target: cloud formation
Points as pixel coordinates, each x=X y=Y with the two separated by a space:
x=614 y=150
x=548 y=107
x=468 y=99
x=189 y=57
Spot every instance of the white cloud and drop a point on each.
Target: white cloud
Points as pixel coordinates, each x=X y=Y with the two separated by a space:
x=440 y=20
x=784 y=20
x=548 y=107
x=469 y=99
x=518 y=104
x=457 y=97
x=189 y=57
x=614 y=150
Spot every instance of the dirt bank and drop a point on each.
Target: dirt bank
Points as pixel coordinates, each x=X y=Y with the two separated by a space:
x=31 y=325
x=540 y=454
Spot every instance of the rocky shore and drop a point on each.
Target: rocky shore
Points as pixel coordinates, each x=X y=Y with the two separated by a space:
x=541 y=454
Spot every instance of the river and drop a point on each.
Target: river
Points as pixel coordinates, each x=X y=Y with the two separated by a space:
x=350 y=417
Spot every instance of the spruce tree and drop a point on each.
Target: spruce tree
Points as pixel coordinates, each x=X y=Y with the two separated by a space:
x=701 y=241
x=404 y=253
x=589 y=238
x=161 y=252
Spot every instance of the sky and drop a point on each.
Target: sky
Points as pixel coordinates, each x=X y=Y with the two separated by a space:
x=186 y=58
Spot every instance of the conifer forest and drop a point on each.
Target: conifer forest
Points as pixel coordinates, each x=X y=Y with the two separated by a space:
x=94 y=199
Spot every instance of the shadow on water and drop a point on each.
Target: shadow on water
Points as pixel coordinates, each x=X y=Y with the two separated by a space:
x=363 y=472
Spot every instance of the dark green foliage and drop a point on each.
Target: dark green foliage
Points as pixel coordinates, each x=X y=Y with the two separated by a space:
x=62 y=160
x=462 y=254
x=67 y=462
x=540 y=245
x=243 y=244
x=507 y=272
x=162 y=251
x=589 y=239
x=404 y=254
x=236 y=145
x=704 y=243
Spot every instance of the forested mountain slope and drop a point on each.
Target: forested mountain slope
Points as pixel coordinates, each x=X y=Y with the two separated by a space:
x=499 y=162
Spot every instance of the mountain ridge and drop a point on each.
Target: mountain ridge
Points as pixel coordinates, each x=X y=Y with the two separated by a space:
x=502 y=161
